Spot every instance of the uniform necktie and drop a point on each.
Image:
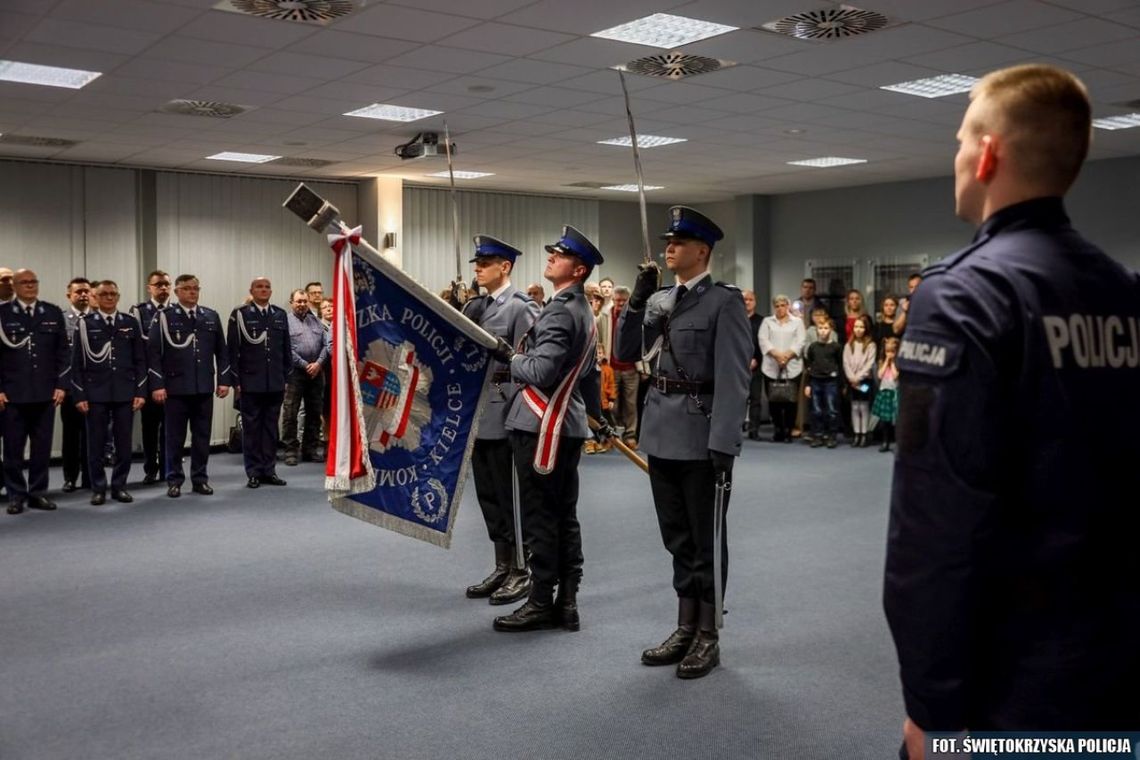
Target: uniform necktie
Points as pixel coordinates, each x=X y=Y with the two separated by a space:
x=681 y=291
x=29 y=310
x=193 y=317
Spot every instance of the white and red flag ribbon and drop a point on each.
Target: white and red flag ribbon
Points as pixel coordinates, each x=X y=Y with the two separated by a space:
x=348 y=468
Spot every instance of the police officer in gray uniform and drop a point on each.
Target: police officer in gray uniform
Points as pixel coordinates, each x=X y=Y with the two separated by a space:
x=547 y=424
x=260 y=356
x=185 y=344
x=1013 y=577
x=108 y=382
x=697 y=337
x=508 y=313
x=34 y=364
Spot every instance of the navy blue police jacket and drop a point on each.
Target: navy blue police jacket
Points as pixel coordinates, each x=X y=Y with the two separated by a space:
x=107 y=376
x=182 y=357
x=34 y=358
x=259 y=364
x=1012 y=583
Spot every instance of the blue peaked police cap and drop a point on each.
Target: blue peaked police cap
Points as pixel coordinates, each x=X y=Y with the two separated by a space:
x=689 y=224
x=485 y=245
x=575 y=243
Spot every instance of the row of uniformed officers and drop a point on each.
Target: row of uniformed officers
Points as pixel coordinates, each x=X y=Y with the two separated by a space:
x=167 y=357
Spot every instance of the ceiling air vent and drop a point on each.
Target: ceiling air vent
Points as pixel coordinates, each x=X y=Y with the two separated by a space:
x=829 y=24
x=319 y=12
x=208 y=108
x=36 y=142
x=306 y=163
x=674 y=65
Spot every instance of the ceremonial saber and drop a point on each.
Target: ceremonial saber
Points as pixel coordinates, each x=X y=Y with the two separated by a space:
x=629 y=453
x=454 y=217
x=520 y=560
x=723 y=486
x=648 y=255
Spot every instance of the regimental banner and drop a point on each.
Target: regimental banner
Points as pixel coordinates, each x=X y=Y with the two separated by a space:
x=422 y=371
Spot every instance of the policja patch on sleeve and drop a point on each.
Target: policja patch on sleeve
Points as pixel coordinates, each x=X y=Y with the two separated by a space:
x=929 y=352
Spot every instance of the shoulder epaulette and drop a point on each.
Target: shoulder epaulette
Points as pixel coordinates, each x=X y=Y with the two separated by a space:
x=727 y=285
x=521 y=296
x=953 y=259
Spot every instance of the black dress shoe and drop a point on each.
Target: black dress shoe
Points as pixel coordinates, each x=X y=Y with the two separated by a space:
x=702 y=657
x=68 y=486
x=98 y=499
x=150 y=478
x=532 y=616
x=203 y=488
x=253 y=483
x=670 y=651
x=271 y=480
x=174 y=491
x=15 y=507
x=566 y=606
x=39 y=502
x=491 y=583
x=514 y=587
x=121 y=496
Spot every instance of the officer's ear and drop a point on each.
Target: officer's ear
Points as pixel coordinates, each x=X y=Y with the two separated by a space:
x=987 y=164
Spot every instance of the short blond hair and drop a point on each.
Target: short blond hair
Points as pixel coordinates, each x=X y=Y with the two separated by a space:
x=1043 y=116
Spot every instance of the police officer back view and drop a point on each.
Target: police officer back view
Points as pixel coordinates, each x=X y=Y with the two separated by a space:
x=506 y=312
x=260 y=357
x=1012 y=579
x=700 y=343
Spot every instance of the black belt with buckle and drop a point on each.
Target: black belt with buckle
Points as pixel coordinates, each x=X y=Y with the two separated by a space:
x=669 y=385
x=501 y=376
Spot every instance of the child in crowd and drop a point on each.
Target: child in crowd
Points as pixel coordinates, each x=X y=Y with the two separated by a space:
x=858 y=366
x=886 y=406
x=823 y=361
x=607 y=380
x=803 y=421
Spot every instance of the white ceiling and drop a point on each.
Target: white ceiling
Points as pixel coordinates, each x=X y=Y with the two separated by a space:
x=554 y=95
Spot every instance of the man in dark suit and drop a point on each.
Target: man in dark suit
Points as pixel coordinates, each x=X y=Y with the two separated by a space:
x=158 y=286
x=260 y=358
x=33 y=368
x=108 y=382
x=74 y=443
x=188 y=365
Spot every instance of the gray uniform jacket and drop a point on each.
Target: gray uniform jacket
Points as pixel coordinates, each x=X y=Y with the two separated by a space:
x=712 y=341
x=554 y=345
x=509 y=317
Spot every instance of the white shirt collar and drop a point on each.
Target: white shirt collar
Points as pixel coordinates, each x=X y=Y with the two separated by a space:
x=693 y=282
x=24 y=306
x=158 y=305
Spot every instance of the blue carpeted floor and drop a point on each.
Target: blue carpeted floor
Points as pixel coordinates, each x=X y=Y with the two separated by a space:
x=262 y=624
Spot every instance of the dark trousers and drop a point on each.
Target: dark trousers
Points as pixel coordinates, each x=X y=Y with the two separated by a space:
x=153 y=417
x=550 y=513
x=628 y=383
x=491 y=465
x=684 y=492
x=259 y=413
x=824 y=405
x=74 y=443
x=755 y=400
x=309 y=390
x=197 y=411
x=23 y=423
x=120 y=418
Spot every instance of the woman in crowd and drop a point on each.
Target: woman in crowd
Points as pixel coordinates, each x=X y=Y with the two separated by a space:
x=887 y=318
x=859 y=367
x=853 y=309
x=781 y=339
x=886 y=406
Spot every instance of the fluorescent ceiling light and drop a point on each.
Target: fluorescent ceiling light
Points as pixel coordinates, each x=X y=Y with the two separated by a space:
x=245 y=158
x=463 y=175
x=827 y=161
x=52 y=76
x=934 y=87
x=632 y=188
x=643 y=141
x=664 y=31
x=1127 y=121
x=392 y=113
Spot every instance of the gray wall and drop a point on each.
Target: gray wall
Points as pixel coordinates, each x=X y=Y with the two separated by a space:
x=902 y=218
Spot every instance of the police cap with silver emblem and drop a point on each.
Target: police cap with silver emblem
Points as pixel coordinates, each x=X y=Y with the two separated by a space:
x=487 y=246
x=575 y=243
x=689 y=224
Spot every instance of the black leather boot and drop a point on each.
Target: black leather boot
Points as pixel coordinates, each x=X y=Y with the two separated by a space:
x=516 y=585
x=704 y=653
x=491 y=583
x=566 y=605
x=674 y=648
x=536 y=614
